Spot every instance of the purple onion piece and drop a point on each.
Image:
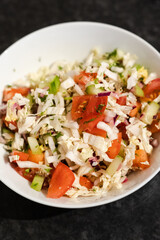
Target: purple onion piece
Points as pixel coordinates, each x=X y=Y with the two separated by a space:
x=155 y=116
x=102 y=94
x=133 y=107
x=93 y=161
x=22 y=106
x=115 y=118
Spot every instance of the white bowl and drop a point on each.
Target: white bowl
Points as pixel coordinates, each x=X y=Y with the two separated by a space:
x=72 y=41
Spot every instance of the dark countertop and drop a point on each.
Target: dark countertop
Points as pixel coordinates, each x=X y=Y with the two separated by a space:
x=134 y=217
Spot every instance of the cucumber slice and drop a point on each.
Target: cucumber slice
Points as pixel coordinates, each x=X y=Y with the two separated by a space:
x=37 y=183
x=34 y=146
x=92 y=90
x=138 y=91
x=150 y=110
x=114 y=165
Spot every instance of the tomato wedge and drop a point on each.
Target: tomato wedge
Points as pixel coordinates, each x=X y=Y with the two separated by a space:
x=22 y=172
x=90 y=122
x=98 y=132
x=140 y=157
x=84 y=106
x=22 y=156
x=79 y=105
x=115 y=148
x=62 y=179
x=152 y=90
x=84 y=77
x=10 y=92
x=96 y=105
x=85 y=182
x=122 y=100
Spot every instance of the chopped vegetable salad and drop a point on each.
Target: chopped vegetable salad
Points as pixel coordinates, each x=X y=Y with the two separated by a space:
x=79 y=129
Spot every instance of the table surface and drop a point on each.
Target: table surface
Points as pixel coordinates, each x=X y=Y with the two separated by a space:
x=134 y=217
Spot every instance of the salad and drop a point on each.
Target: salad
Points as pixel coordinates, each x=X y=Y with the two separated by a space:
x=79 y=129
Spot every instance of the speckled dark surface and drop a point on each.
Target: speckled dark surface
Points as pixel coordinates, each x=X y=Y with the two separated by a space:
x=138 y=215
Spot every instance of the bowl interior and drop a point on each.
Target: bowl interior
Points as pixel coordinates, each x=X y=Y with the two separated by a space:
x=72 y=41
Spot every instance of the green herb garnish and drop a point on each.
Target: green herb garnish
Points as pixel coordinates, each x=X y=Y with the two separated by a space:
x=91 y=120
x=112 y=54
x=100 y=106
x=59 y=134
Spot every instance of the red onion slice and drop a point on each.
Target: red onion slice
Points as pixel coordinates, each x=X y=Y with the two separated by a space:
x=102 y=94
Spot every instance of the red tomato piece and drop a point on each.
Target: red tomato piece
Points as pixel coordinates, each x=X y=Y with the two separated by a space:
x=62 y=179
x=79 y=105
x=96 y=105
x=22 y=171
x=152 y=90
x=10 y=92
x=122 y=100
x=98 y=132
x=85 y=182
x=115 y=148
x=83 y=106
x=84 y=77
x=22 y=156
x=90 y=122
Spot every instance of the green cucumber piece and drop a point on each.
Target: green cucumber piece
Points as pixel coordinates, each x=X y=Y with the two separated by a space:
x=92 y=90
x=34 y=146
x=150 y=110
x=37 y=183
x=138 y=91
x=114 y=165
